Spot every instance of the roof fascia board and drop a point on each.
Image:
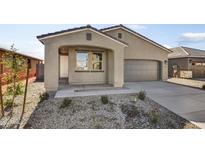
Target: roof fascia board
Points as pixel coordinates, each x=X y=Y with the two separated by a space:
x=55 y=35
x=65 y=33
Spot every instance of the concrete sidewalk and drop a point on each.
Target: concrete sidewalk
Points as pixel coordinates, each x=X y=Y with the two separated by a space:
x=187 y=102
x=78 y=92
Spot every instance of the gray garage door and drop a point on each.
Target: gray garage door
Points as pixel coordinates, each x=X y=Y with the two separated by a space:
x=141 y=70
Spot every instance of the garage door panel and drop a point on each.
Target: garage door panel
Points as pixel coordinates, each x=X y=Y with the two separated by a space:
x=140 y=70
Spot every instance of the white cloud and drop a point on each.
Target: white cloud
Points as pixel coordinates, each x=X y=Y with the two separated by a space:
x=136 y=26
x=167 y=46
x=195 y=37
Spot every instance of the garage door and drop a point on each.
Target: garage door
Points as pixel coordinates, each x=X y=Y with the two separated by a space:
x=141 y=70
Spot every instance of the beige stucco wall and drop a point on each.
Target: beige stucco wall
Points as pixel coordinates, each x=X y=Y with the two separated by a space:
x=114 y=73
x=141 y=49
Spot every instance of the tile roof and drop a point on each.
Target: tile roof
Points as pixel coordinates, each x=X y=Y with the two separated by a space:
x=194 y=52
x=180 y=52
x=138 y=34
x=78 y=28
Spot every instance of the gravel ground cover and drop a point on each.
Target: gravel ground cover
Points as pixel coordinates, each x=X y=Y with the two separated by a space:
x=108 y=112
x=34 y=90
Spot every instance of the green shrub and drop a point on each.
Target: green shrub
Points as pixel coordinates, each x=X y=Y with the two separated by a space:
x=66 y=103
x=141 y=95
x=19 y=89
x=203 y=86
x=154 y=116
x=8 y=103
x=104 y=99
x=43 y=97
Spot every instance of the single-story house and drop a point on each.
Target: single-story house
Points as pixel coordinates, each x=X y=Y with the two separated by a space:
x=186 y=62
x=113 y=55
x=32 y=65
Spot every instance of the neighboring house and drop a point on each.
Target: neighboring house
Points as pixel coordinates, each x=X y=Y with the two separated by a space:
x=32 y=65
x=187 y=63
x=113 y=55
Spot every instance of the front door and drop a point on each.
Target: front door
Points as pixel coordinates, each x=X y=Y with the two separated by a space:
x=63 y=66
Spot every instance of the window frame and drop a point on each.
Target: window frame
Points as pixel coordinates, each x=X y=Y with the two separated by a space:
x=90 y=53
x=82 y=51
x=99 y=61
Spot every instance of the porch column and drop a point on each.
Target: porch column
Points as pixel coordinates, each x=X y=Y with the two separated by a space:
x=118 y=67
x=51 y=70
x=165 y=70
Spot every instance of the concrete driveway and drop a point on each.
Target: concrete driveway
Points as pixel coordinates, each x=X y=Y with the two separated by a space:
x=187 y=102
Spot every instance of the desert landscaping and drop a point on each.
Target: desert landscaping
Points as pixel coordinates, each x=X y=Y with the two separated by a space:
x=126 y=111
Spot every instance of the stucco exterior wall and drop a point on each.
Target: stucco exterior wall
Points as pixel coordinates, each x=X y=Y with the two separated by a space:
x=141 y=49
x=79 y=39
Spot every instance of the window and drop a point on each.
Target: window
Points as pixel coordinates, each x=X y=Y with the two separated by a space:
x=89 y=36
x=96 y=61
x=119 y=35
x=82 y=60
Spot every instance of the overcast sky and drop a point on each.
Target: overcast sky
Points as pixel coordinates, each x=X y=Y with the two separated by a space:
x=24 y=36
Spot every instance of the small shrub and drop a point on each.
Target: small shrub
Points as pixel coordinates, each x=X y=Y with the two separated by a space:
x=66 y=103
x=8 y=103
x=130 y=110
x=104 y=99
x=43 y=97
x=19 y=89
x=154 y=116
x=203 y=86
x=141 y=95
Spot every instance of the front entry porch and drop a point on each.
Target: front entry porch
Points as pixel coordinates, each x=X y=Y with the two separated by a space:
x=66 y=91
x=85 y=66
